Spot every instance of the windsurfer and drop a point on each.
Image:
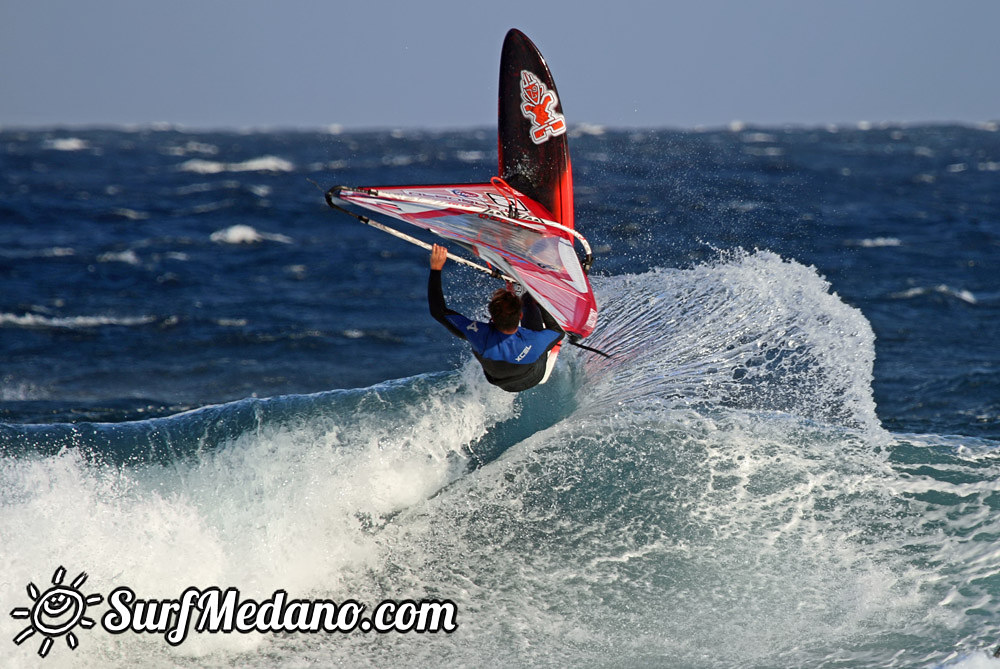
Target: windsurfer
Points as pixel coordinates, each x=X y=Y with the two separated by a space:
x=515 y=347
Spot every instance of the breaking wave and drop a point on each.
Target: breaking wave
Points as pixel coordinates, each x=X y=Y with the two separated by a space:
x=719 y=492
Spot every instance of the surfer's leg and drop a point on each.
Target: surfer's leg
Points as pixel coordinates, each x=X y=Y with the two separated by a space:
x=531 y=314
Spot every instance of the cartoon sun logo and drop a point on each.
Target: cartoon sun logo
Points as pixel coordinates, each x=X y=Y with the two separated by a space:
x=56 y=612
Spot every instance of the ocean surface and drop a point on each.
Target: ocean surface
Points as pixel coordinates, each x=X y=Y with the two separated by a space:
x=210 y=379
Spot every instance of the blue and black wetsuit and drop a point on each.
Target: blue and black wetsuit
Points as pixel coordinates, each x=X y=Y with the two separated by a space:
x=513 y=362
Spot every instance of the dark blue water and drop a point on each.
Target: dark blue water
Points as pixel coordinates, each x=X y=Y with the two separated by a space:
x=119 y=302
x=790 y=455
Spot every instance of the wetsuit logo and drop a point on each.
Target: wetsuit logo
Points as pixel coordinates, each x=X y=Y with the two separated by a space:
x=538 y=105
x=523 y=353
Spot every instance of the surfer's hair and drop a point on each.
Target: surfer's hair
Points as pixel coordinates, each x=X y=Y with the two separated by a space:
x=505 y=309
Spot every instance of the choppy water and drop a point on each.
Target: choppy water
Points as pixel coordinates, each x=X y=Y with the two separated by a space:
x=211 y=380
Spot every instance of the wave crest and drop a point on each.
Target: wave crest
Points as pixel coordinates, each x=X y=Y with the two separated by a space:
x=750 y=331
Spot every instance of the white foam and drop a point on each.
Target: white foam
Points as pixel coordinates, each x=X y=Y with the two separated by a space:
x=876 y=242
x=758 y=137
x=245 y=234
x=754 y=330
x=470 y=156
x=67 y=144
x=129 y=257
x=54 y=252
x=262 y=164
x=293 y=506
x=131 y=214
x=941 y=289
x=190 y=147
x=582 y=129
x=980 y=660
x=778 y=538
x=72 y=322
x=199 y=166
x=15 y=390
x=571 y=542
x=96 y=520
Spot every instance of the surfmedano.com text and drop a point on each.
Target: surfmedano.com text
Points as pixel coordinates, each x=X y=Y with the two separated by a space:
x=214 y=610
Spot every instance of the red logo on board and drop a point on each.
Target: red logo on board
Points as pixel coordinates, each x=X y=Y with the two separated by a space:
x=538 y=106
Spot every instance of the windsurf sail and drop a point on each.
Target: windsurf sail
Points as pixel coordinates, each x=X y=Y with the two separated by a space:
x=506 y=229
x=521 y=223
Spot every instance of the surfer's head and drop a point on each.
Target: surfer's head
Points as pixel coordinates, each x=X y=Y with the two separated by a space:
x=505 y=310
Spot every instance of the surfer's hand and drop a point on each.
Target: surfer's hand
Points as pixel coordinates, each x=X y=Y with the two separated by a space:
x=439 y=255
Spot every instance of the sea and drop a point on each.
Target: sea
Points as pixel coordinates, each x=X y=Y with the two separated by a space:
x=211 y=380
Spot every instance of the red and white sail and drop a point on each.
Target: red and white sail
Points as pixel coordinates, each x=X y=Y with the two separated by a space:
x=503 y=227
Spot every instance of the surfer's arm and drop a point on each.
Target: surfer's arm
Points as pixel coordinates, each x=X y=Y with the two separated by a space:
x=435 y=299
x=551 y=323
x=536 y=318
x=435 y=293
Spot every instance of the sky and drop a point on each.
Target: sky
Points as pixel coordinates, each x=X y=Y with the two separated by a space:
x=368 y=64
